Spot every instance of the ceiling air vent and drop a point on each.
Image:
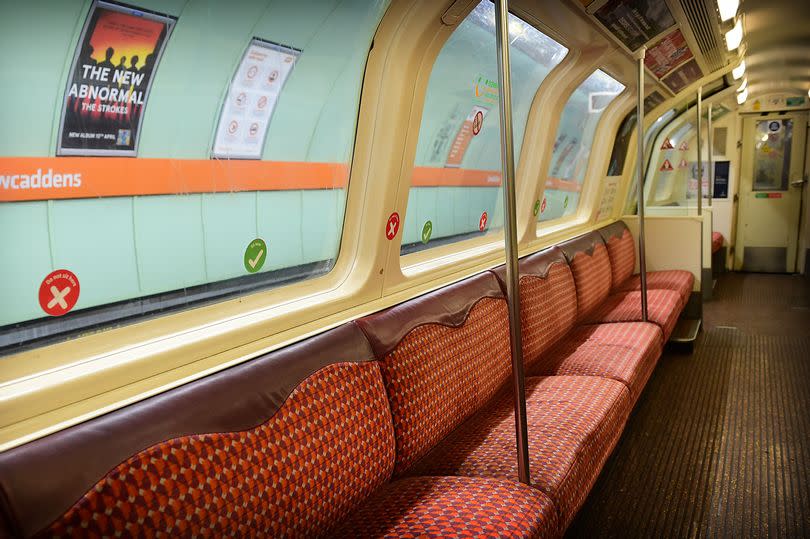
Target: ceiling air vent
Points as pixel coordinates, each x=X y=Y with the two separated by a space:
x=703 y=23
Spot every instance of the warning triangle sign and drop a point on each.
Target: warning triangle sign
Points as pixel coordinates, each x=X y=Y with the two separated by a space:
x=667 y=145
x=683 y=164
x=684 y=146
x=666 y=166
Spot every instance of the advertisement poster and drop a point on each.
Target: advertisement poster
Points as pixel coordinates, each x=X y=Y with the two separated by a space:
x=251 y=99
x=683 y=77
x=667 y=54
x=721 y=173
x=653 y=100
x=635 y=22
x=108 y=88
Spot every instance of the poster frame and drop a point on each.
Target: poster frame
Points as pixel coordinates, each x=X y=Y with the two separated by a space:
x=168 y=20
x=278 y=47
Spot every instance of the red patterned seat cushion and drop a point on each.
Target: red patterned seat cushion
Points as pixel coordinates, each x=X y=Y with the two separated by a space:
x=314 y=461
x=717 y=241
x=438 y=375
x=573 y=424
x=626 y=351
x=548 y=309
x=663 y=308
x=679 y=281
x=592 y=278
x=622 y=251
x=434 y=507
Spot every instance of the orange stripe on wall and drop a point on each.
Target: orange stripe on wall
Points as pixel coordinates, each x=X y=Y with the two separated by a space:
x=454 y=177
x=563 y=185
x=90 y=177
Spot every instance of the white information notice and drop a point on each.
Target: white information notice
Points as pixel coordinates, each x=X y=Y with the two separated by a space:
x=251 y=99
x=611 y=185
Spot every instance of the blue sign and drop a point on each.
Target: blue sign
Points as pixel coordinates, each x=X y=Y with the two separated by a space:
x=721 y=171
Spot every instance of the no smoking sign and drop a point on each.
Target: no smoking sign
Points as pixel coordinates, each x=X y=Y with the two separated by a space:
x=478 y=122
x=59 y=292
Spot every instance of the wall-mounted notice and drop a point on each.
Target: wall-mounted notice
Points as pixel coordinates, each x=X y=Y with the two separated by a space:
x=109 y=81
x=718 y=111
x=653 y=100
x=635 y=22
x=667 y=54
x=251 y=99
x=611 y=185
x=684 y=76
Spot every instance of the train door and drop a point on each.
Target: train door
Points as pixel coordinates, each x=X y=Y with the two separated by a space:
x=771 y=177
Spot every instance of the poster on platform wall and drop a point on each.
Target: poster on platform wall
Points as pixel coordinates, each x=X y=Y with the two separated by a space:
x=251 y=100
x=635 y=22
x=108 y=87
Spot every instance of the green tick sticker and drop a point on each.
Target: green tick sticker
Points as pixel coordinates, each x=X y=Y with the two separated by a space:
x=565 y=202
x=427 y=230
x=536 y=209
x=255 y=255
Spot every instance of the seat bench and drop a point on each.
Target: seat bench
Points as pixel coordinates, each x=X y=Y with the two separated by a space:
x=400 y=423
x=289 y=444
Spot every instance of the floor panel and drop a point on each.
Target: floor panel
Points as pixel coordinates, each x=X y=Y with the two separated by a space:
x=719 y=444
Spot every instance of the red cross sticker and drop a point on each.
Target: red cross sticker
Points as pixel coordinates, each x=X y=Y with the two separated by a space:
x=482 y=222
x=392 y=227
x=59 y=292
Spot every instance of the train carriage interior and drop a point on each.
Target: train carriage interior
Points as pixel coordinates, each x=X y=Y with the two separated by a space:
x=404 y=268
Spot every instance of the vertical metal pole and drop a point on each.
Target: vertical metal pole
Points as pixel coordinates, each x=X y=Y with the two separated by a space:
x=642 y=258
x=510 y=228
x=709 y=140
x=700 y=151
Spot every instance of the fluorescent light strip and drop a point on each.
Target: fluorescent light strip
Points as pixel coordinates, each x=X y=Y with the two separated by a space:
x=738 y=71
x=734 y=36
x=727 y=8
x=742 y=96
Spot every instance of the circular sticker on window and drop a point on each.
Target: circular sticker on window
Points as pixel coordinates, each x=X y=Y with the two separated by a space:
x=774 y=126
x=427 y=230
x=59 y=292
x=255 y=255
x=392 y=226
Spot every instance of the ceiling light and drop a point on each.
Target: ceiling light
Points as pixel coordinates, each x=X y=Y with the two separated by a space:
x=742 y=96
x=743 y=86
x=727 y=8
x=738 y=71
x=734 y=36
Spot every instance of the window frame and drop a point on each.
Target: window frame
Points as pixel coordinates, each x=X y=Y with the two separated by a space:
x=445 y=260
x=610 y=119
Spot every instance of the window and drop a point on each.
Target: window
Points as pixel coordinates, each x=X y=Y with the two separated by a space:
x=669 y=168
x=649 y=135
x=620 y=146
x=226 y=159
x=572 y=146
x=455 y=189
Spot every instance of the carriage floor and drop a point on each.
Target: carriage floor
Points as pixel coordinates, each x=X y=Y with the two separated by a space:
x=719 y=443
